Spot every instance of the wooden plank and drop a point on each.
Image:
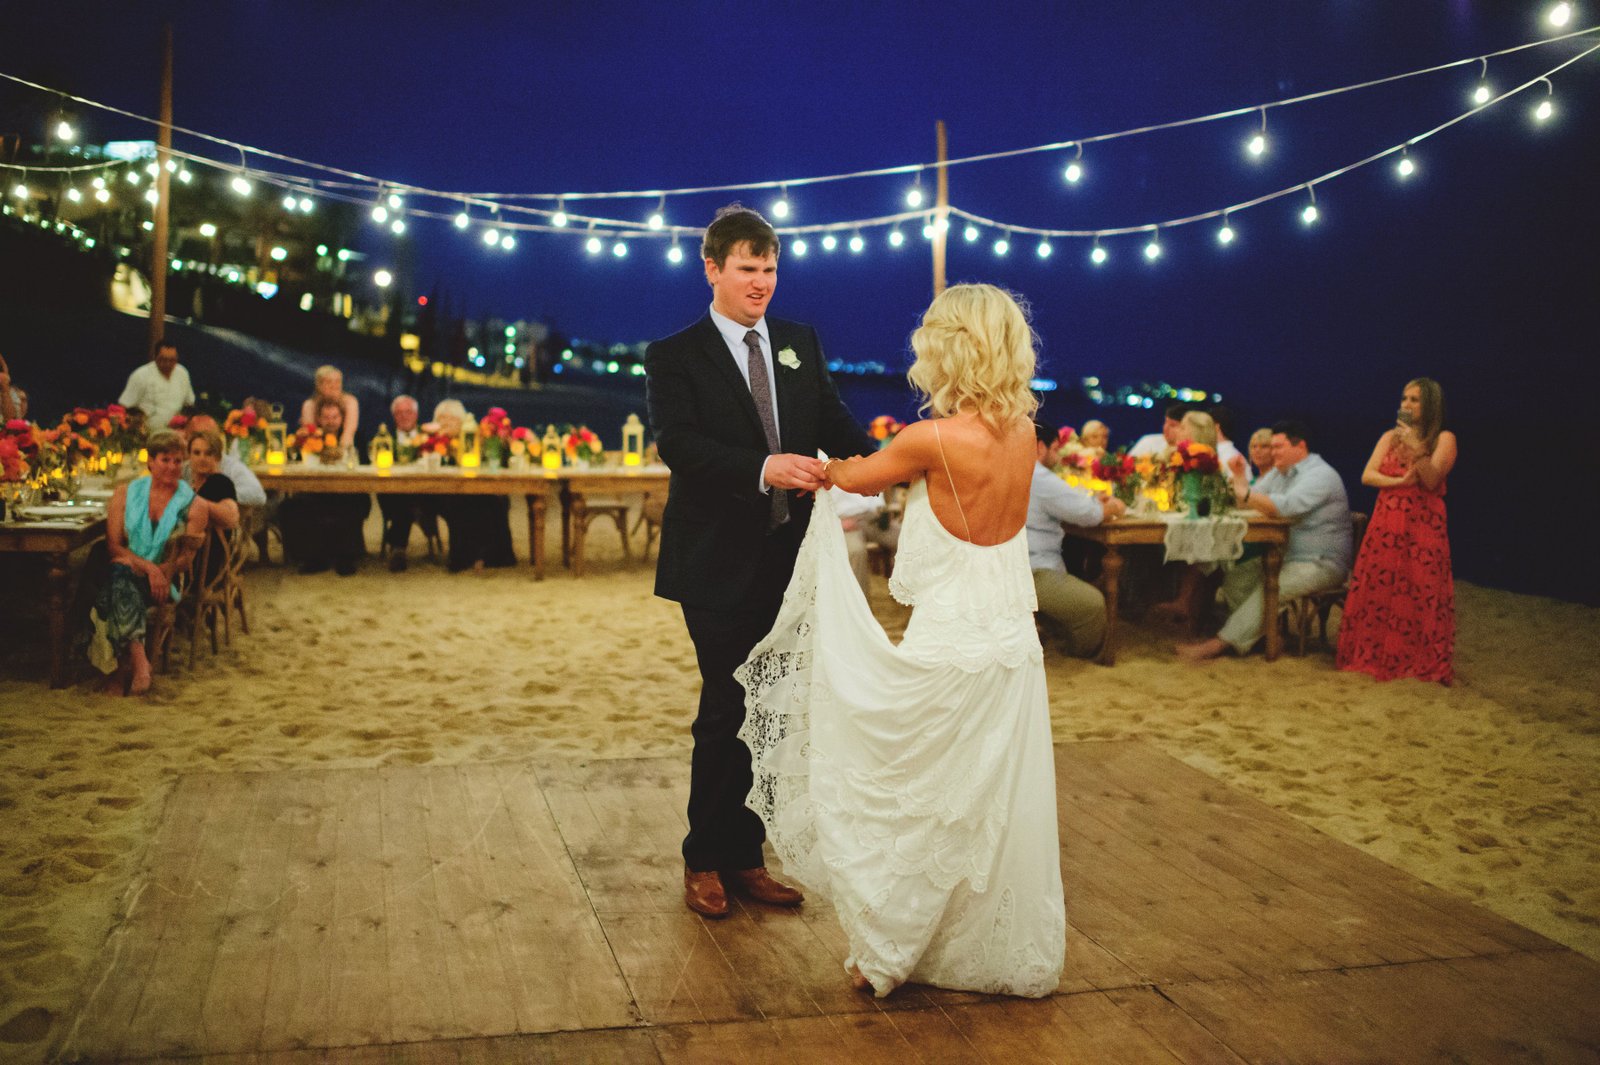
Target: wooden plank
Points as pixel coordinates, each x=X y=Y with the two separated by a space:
x=421 y=1003
x=299 y=992
x=168 y=1020
x=674 y=968
x=565 y=973
x=360 y=1007
x=156 y=899
x=605 y=1047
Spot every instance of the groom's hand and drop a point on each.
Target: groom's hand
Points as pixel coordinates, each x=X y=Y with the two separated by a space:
x=794 y=471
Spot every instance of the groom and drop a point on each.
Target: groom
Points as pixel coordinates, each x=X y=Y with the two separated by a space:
x=739 y=405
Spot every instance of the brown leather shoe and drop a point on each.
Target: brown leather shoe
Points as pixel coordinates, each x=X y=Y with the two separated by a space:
x=759 y=884
x=703 y=893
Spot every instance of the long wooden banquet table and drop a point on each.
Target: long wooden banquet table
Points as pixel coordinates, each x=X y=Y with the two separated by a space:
x=55 y=542
x=1151 y=532
x=573 y=486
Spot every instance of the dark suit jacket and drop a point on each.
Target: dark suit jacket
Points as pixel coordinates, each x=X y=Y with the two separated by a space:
x=715 y=548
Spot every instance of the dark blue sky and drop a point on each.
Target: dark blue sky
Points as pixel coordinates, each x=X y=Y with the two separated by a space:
x=1478 y=271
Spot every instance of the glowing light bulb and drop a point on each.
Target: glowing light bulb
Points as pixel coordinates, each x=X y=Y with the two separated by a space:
x=395 y=201
x=241 y=185
x=780 y=208
x=619 y=249
x=152 y=197
x=927 y=231
x=397 y=227
x=1098 y=255
x=1225 y=234
x=657 y=221
x=914 y=196
x=1405 y=167
x=1310 y=214
x=306 y=205
x=153 y=170
x=1152 y=251
x=65 y=131
x=279 y=254
x=207 y=229
x=20 y=191
x=463 y=220
x=508 y=242
x=592 y=246
x=491 y=237
x=1257 y=145
x=382 y=278
x=857 y=244
x=798 y=246
x=970 y=233
x=288 y=203
x=99 y=182
x=1002 y=246
x=1559 y=15
x=830 y=242
x=172 y=166
x=1481 y=94
x=185 y=176
x=103 y=195
x=675 y=253
x=74 y=195
x=559 y=218
x=1543 y=111
x=1073 y=173
x=1044 y=249
x=896 y=238
x=380 y=213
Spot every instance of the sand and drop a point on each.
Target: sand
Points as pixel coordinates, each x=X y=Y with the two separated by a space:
x=1486 y=789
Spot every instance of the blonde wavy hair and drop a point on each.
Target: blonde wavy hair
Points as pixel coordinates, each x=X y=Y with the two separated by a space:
x=975 y=350
x=1199 y=428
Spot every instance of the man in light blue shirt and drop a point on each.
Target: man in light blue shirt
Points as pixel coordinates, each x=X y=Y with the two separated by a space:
x=1075 y=606
x=1306 y=490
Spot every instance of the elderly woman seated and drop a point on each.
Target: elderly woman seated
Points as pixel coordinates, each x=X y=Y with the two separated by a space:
x=144 y=517
x=480 y=526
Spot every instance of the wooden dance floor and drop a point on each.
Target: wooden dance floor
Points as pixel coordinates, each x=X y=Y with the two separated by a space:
x=533 y=913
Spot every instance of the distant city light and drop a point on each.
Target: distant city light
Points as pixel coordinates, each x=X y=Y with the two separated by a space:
x=382 y=278
x=344 y=255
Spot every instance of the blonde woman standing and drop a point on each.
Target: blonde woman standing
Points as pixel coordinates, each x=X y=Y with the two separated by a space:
x=914 y=785
x=330 y=386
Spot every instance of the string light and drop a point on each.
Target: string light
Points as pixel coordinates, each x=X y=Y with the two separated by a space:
x=659 y=218
x=1309 y=214
x=395 y=202
x=133 y=178
x=829 y=242
x=1044 y=249
x=1257 y=145
x=305 y=204
x=184 y=176
x=857 y=244
x=1405 y=167
x=619 y=249
x=897 y=238
x=207 y=229
x=152 y=197
x=675 y=253
x=1545 y=108
x=798 y=246
x=242 y=185
x=1074 y=170
x=1152 y=250
x=560 y=217
x=380 y=214
x=1097 y=254
x=593 y=246
x=279 y=254
x=397 y=227
x=64 y=131
x=491 y=236
x=463 y=220
x=914 y=196
x=508 y=242
x=288 y=203
x=1560 y=15
x=382 y=278
x=1225 y=235
x=21 y=191
x=99 y=182
x=971 y=234
x=780 y=206
x=1001 y=246
x=103 y=195
x=73 y=194
x=1481 y=94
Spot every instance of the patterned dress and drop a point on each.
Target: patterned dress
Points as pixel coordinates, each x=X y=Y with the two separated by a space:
x=1400 y=613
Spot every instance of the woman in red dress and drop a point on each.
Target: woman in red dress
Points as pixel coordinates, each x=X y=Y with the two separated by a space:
x=1400 y=613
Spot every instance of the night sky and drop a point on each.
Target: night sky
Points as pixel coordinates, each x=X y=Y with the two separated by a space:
x=1479 y=270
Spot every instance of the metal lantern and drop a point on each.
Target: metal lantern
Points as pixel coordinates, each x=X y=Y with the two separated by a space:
x=277 y=443
x=552 y=449
x=470 y=443
x=633 y=441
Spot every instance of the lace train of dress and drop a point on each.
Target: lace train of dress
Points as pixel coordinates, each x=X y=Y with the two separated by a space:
x=913 y=786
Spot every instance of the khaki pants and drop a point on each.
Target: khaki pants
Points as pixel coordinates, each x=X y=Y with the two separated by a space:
x=856 y=541
x=1242 y=588
x=1076 y=607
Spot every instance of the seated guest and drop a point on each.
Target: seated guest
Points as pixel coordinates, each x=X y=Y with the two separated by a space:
x=206 y=453
x=13 y=403
x=1076 y=606
x=1307 y=491
x=1227 y=454
x=323 y=529
x=401 y=511
x=330 y=385
x=142 y=517
x=480 y=526
x=1156 y=443
x=1197 y=427
x=1094 y=436
x=864 y=522
x=246 y=485
x=1260 y=453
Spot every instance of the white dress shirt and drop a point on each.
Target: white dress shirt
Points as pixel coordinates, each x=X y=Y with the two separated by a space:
x=1149 y=444
x=733 y=335
x=159 y=397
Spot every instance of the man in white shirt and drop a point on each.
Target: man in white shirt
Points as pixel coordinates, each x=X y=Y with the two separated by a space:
x=1076 y=606
x=1156 y=443
x=160 y=388
x=401 y=511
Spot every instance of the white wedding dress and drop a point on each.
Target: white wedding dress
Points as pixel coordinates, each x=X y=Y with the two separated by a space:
x=914 y=786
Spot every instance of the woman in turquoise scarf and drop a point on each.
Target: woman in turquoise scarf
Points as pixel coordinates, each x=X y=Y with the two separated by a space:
x=142 y=518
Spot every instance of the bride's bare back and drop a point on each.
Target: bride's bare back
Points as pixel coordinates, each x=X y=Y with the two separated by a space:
x=992 y=473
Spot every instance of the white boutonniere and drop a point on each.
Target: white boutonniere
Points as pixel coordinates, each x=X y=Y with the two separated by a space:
x=788 y=358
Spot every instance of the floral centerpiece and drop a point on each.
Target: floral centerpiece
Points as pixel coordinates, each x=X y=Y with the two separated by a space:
x=525 y=445
x=310 y=441
x=109 y=429
x=40 y=460
x=582 y=445
x=885 y=428
x=428 y=441
x=245 y=424
x=494 y=437
x=1199 y=472
x=1117 y=471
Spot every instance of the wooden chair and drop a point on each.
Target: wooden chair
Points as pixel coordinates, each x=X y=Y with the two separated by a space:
x=614 y=507
x=161 y=619
x=651 y=512
x=212 y=602
x=1301 y=613
x=233 y=589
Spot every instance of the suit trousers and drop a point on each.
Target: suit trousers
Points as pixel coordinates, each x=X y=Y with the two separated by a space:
x=724 y=833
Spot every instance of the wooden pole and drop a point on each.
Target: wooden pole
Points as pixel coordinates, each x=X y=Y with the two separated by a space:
x=163 y=187
x=941 y=213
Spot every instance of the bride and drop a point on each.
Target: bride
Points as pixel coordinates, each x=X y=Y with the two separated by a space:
x=914 y=785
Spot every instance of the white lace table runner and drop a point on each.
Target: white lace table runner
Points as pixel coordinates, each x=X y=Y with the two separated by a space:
x=1205 y=539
